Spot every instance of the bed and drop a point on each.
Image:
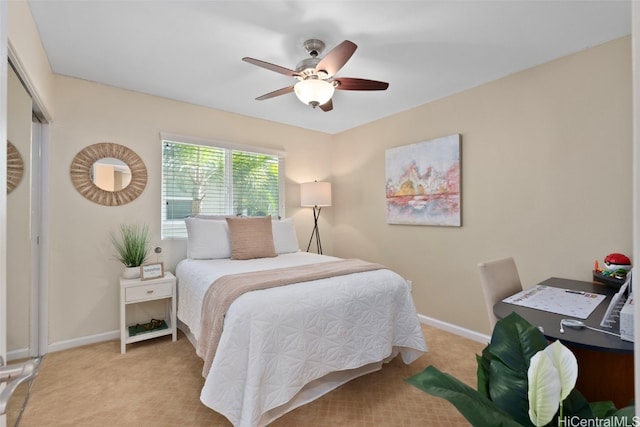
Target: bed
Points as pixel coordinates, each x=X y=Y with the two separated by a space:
x=284 y=346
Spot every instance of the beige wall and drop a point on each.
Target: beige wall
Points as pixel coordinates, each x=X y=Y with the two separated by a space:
x=83 y=277
x=546 y=178
x=24 y=41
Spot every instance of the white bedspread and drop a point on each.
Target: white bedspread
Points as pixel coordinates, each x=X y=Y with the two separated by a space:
x=285 y=346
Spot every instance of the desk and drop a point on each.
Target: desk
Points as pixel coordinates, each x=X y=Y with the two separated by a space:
x=605 y=362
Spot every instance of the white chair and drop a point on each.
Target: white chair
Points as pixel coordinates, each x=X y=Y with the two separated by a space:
x=499 y=279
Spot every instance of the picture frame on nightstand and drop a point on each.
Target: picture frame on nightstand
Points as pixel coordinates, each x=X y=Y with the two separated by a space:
x=152 y=271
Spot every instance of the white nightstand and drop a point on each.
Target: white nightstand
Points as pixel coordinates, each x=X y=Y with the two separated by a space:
x=136 y=291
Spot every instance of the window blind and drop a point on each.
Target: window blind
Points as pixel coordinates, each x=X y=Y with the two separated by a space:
x=216 y=180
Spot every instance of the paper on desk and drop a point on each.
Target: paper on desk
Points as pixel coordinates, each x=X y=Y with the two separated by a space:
x=557 y=300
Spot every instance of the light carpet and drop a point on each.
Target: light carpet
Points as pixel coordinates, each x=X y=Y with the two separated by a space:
x=157 y=384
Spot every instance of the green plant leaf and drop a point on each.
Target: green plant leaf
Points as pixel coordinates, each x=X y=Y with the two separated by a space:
x=508 y=391
x=513 y=343
x=478 y=410
x=545 y=388
x=133 y=244
x=482 y=372
x=625 y=414
x=603 y=409
x=576 y=405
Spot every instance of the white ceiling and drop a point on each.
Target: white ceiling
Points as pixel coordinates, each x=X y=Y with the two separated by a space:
x=191 y=50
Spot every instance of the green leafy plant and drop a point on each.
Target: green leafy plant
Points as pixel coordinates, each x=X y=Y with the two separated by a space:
x=132 y=245
x=502 y=397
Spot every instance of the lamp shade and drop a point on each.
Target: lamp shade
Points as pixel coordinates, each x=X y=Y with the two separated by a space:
x=314 y=92
x=315 y=194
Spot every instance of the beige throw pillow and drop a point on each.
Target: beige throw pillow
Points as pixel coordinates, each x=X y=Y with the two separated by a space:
x=251 y=237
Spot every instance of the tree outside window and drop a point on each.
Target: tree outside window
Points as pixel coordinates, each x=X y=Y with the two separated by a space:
x=200 y=179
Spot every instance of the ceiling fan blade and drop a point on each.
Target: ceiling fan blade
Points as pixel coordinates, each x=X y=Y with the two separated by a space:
x=350 y=83
x=337 y=57
x=269 y=66
x=327 y=106
x=275 y=93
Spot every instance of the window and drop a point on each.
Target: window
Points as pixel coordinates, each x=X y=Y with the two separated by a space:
x=200 y=177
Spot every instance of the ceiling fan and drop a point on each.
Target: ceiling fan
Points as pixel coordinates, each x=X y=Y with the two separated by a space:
x=316 y=76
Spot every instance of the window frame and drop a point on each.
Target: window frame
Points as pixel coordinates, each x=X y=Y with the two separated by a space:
x=182 y=139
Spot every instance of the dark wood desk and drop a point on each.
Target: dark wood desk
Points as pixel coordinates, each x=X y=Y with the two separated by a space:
x=605 y=362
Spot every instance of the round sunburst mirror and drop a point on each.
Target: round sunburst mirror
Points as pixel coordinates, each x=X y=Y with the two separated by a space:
x=91 y=167
x=15 y=167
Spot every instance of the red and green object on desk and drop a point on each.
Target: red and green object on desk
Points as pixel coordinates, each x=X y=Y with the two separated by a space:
x=617 y=266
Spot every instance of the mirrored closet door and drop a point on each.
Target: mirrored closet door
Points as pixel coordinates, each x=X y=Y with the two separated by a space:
x=23 y=220
x=19 y=230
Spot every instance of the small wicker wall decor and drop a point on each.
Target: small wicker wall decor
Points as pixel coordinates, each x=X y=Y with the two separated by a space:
x=15 y=167
x=81 y=174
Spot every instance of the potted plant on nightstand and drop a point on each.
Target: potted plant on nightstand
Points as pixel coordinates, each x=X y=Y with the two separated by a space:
x=132 y=247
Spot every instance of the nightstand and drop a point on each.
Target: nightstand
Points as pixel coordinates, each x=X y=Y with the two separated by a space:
x=136 y=291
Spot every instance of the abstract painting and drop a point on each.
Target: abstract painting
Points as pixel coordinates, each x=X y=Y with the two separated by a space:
x=423 y=183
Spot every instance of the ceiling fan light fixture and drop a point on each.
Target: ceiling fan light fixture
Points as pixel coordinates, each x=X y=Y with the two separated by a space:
x=314 y=92
x=316 y=83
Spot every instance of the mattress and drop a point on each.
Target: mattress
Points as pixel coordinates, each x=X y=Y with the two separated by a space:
x=285 y=346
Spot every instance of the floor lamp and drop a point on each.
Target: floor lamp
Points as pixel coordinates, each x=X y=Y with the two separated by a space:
x=316 y=195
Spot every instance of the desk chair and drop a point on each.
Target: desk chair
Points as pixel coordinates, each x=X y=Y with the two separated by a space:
x=499 y=279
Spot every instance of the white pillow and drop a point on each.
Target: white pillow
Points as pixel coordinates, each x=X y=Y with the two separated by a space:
x=284 y=236
x=207 y=239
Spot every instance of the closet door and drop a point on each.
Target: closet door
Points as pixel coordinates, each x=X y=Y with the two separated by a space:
x=19 y=218
x=23 y=206
x=3 y=200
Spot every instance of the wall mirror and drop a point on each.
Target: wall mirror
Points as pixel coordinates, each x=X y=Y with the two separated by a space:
x=15 y=167
x=108 y=174
x=111 y=174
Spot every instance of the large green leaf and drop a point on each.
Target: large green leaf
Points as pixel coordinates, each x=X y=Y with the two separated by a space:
x=477 y=409
x=513 y=343
x=603 y=409
x=625 y=414
x=576 y=405
x=484 y=362
x=508 y=390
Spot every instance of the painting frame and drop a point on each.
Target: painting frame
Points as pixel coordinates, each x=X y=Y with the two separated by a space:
x=423 y=182
x=152 y=271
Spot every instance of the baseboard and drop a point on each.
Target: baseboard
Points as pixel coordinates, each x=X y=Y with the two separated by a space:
x=454 y=329
x=77 y=342
x=115 y=335
x=21 y=353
